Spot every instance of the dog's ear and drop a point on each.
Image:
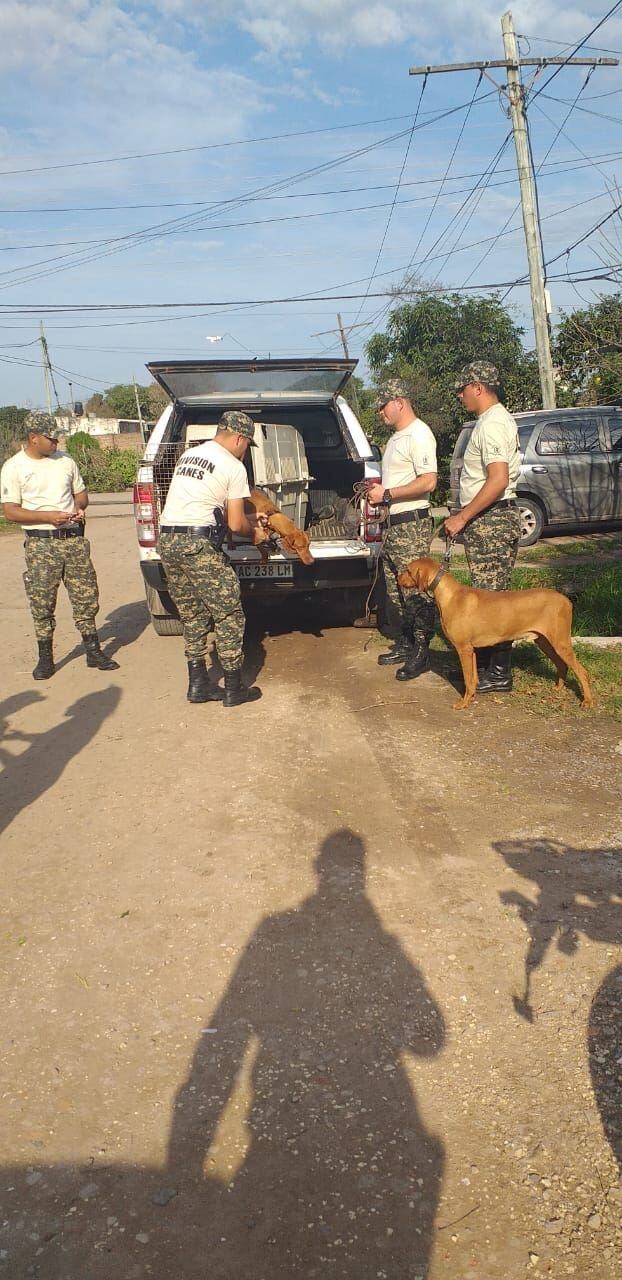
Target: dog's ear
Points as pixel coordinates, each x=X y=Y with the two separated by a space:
x=406 y=578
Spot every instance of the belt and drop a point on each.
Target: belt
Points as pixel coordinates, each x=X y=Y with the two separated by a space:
x=54 y=533
x=403 y=517
x=503 y=502
x=199 y=530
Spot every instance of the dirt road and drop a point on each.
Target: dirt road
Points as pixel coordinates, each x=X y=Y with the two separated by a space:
x=325 y=985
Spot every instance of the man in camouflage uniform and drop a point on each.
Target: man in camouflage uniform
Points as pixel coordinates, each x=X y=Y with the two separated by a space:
x=488 y=515
x=43 y=491
x=408 y=479
x=206 y=496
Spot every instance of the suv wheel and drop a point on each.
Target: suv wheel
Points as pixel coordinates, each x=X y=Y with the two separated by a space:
x=531 y=521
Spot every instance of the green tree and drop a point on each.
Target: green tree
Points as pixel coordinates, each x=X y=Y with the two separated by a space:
x=585 y=351
x=428 y=342
x=121 y=399
x=11 y=421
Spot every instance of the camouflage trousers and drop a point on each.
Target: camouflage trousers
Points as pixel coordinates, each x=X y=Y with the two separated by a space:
x=50 y=561
x=403 y=543
x=207 y=593
x=491 y=543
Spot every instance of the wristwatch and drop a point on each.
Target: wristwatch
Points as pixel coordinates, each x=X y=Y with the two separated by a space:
x=387 y=498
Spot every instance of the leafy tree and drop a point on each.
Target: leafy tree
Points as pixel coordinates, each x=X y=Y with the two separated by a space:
x=157 y=400
x=11 y=421
x=122 y=400
x=427 y=342
x=589 y=371
x=98 y=407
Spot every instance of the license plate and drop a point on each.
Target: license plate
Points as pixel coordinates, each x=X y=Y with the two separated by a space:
x=278 y=569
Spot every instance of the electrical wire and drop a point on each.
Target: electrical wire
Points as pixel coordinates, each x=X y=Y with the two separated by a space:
x=160 y=230
x=395 y=193
x=580 y=45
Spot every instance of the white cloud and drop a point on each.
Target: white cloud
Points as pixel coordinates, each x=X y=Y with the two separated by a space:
x=87 y=74
x=286 y=27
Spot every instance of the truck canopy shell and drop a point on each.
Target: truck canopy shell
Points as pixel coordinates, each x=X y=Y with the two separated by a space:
x=200 y=381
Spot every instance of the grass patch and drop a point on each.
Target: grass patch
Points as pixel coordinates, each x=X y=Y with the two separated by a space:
x=8 y=526
x=534 y=679
x=588 y=547
x=596 y=592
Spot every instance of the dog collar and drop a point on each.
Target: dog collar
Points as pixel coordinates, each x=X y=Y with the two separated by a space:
x=429 y=591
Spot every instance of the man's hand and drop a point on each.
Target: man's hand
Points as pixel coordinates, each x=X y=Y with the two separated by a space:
x=58 y=518
x=454 y=525
x=375 y=494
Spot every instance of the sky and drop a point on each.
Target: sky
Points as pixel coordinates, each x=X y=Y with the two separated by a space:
x=231 y=157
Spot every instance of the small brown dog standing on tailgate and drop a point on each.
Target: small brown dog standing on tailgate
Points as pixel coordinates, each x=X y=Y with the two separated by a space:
x=473 y=619
x=293 y=538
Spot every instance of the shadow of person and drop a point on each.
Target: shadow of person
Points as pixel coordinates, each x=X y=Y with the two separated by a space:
x=11 y=705
x=578 y=893
x=605 y=1049
x=27 y=775
x=297 y=1127
x=122 y=627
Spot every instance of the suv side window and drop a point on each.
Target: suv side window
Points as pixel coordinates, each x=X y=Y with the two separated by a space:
x=615 y=431
x=569 y=436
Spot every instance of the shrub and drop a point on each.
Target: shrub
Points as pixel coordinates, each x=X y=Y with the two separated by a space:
x=103 y=470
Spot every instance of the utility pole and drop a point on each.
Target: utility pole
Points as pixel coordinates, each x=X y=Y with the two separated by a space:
x=139 y=411
x=344 y=343
x=516 y=97
x=45 y=358
x=527 y=181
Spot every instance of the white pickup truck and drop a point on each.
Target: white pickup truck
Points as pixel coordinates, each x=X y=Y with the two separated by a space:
x=312 y=454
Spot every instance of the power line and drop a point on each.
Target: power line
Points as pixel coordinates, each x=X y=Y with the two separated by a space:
x=396 y=192
x=160 y=230
x=580 y=45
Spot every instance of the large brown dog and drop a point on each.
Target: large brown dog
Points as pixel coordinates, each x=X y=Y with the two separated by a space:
x=474 y=619
x=293 y=538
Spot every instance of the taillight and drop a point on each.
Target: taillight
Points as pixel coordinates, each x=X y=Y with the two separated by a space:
x=372 y=528
x=145 y=514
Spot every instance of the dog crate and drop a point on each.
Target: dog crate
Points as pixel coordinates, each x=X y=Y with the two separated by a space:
x=278 y=464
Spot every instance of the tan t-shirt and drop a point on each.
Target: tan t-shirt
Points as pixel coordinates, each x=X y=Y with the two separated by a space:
x=494 y=439
x=410 y=452
x=41 y=484
x=205 y=477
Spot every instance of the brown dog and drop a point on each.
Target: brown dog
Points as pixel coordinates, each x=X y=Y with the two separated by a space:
x=293 y=538
x=474 y=619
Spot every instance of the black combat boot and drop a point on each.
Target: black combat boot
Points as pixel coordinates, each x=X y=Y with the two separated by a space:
x=94 y=655
x=401 y=650
x=200 y=687
x=45 y=666
x=237 y=692
x=482 y=657
x=498 y=677
x=418 y=660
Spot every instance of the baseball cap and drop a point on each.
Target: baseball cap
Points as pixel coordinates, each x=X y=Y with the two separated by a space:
x=42 y=424
x=240 y=423
x=392 y=389
x=478 y=371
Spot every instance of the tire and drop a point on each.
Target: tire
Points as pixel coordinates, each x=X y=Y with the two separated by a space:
x=164 y=623
x=532 y=521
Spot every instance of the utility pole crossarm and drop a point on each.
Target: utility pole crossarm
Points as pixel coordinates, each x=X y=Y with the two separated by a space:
x=491 y=63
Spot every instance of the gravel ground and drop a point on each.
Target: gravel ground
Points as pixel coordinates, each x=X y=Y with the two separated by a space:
x=325 y=985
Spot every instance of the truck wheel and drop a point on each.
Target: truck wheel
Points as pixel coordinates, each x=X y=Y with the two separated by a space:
x=532 y=521
x=164 y=623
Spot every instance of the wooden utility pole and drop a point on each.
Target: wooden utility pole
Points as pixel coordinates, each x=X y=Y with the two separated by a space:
x=527 y=181
x=140 y=413
x=344 y=343
x=45 y=357
x=516 y=97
